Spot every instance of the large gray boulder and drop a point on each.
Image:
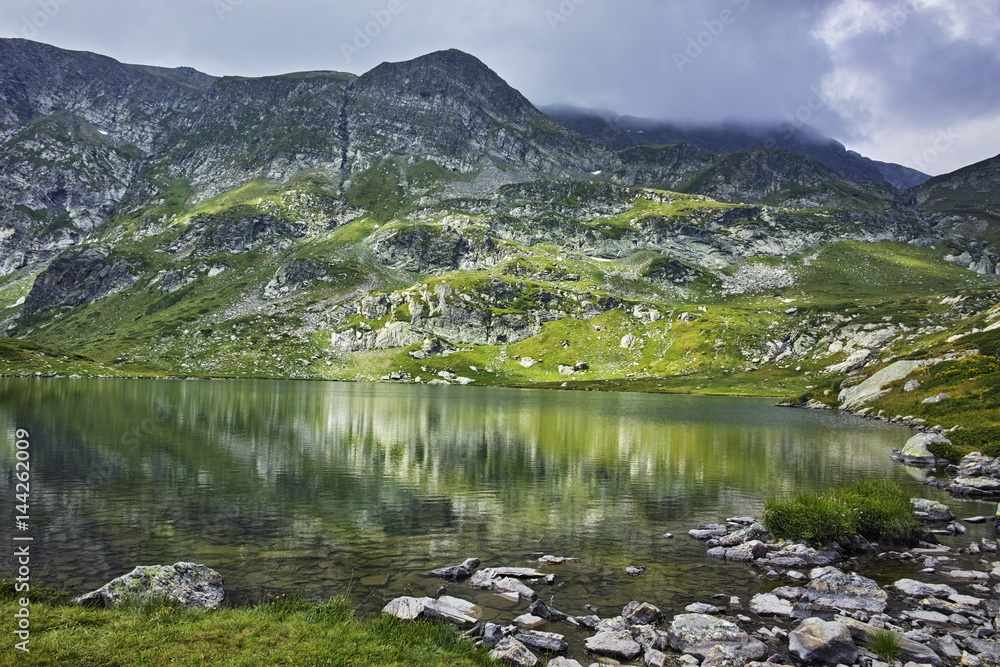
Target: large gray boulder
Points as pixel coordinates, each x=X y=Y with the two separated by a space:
x=819 y=641
x=619 y=645
x=919 y=589
x=835 y=590
x=456 y=572
x=193 y=586
x=697 y=634
x=916 y=453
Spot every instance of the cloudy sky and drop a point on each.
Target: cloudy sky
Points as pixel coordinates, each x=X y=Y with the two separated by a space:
x=910 y=81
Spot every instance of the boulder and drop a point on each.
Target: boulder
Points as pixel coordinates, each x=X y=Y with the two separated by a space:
x=708 y=531
x=835 y=590
x=406 y=608
x=697 y=634
x=457 y=572
x=934 y=511
x=542 y=610
x=641 y=613
x=618 y=645
x=191 y=585
x=560 y=661
x=702 y=608
x=915 y=450
x=819 y=641
x=513 y=652
x=766 y=604
x=546 y=642
x=977 y=475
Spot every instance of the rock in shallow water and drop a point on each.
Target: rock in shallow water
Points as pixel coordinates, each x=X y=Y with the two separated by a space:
x=827 y=642
x=835 y=590
x=697 y=634
x=193 y=586
x=456 y=572
x=513 y=652
x=618 y=645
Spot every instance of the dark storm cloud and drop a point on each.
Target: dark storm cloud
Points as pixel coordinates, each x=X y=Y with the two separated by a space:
x=891 y=73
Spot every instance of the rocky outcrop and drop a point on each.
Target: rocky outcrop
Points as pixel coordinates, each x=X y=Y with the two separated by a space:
x=79 y=277
x=238 y=230
x=293 y=276
x=860 y=395
x=191 y=585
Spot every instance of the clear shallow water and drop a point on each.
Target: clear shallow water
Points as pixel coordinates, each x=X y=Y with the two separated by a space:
x=326 y=489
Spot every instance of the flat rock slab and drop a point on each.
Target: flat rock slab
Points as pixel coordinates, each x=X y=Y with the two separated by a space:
x=546 y=642
x=618 y=645
x=927 y=616
x=193 y=586
x=921 y=590
x=967 y=575
x=454 y=610
x=766 y=604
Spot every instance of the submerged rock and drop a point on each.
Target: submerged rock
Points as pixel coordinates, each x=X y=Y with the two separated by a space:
x=193 y=586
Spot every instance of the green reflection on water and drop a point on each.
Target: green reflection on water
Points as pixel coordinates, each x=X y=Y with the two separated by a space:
x=324 y=488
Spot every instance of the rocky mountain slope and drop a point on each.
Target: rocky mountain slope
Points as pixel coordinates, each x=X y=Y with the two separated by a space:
x=423 y=222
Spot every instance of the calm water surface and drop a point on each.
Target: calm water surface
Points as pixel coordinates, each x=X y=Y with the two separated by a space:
x=326 y=489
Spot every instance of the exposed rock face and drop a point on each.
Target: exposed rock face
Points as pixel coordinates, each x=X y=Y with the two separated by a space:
x=237 y=231
x=866 y=392
x=77 y=278
x=428 y=249
x=292 y=276
x=825 y=642
x=193 y=586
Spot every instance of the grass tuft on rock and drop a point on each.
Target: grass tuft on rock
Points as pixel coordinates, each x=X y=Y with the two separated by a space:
x=871 y=508
x=885 y=643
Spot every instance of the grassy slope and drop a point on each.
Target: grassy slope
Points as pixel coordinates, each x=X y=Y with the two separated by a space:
x=284 y=633
x=224 y=326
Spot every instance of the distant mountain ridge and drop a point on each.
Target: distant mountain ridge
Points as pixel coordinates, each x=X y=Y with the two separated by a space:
x=622 y=132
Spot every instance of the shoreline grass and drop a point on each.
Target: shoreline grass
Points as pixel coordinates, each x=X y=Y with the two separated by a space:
x=871 y=508
x=282 y=632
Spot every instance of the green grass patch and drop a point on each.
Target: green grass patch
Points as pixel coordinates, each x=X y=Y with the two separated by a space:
x=279 y=631
x=871 y=508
